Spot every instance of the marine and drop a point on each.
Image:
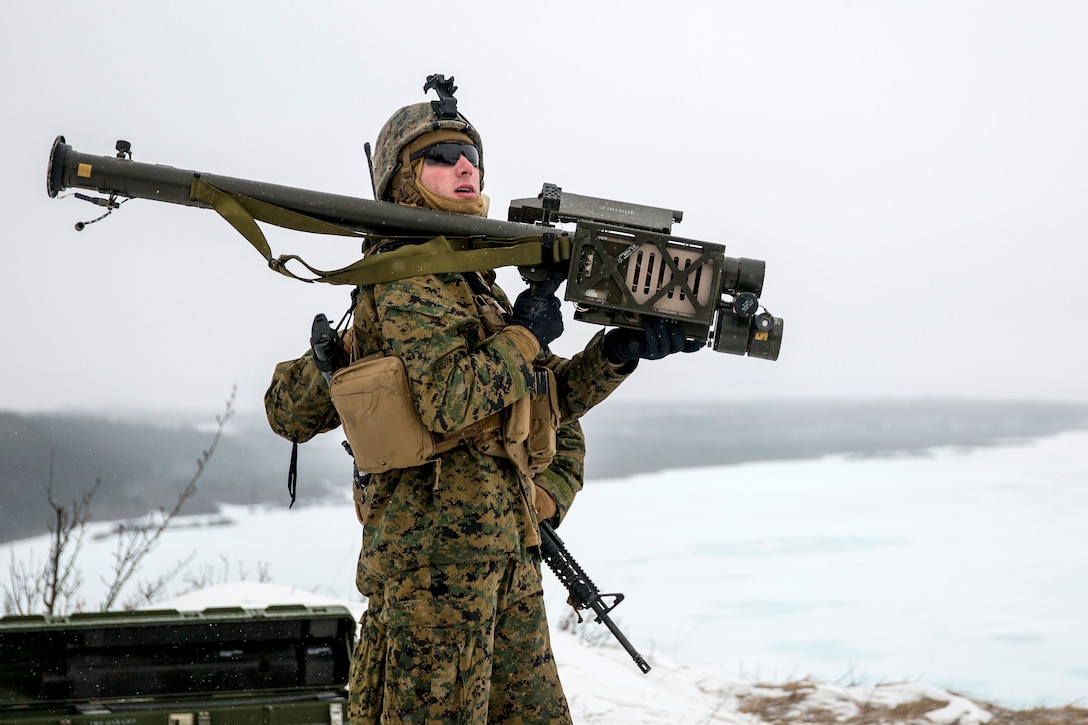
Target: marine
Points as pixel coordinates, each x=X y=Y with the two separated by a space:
x=455 y=629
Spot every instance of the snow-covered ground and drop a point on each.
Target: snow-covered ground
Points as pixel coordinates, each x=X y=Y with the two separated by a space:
x=961 y=569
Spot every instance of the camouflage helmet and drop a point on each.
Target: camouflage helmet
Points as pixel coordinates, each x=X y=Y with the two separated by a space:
x=403 y=127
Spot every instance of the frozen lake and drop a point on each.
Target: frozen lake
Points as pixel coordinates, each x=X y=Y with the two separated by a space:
x=962 y=568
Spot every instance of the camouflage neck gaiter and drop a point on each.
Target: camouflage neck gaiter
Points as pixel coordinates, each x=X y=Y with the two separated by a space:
x=473 y=207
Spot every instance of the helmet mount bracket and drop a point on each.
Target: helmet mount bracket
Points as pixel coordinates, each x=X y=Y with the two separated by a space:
x=445 y=108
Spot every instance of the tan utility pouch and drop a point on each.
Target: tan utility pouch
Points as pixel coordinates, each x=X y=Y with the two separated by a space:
x=380 y=420
x=528 y=434
x=379 y=417
x=543 y=420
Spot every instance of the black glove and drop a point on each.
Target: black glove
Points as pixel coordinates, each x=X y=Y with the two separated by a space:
x=539 y=311
x=327 y=346
x=657 y=338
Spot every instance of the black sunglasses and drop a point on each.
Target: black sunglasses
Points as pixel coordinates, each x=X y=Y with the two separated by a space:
x=448 y=153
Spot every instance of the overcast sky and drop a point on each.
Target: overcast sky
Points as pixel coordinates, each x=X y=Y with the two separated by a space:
x=913 y=173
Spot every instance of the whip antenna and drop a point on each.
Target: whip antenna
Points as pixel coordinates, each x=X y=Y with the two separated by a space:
x=370 y=165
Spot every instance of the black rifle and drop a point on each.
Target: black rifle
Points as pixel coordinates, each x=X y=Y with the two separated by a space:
x=583 y=593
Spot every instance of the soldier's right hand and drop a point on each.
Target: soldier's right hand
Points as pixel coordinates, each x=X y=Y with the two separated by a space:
x=540 y=313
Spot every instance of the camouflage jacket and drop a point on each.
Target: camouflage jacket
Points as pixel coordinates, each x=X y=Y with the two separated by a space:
x=464 y=505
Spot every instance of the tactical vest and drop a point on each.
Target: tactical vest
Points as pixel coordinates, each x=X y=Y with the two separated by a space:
x=383 y=428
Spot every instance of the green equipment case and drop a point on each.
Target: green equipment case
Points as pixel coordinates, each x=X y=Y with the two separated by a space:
x=284 y=665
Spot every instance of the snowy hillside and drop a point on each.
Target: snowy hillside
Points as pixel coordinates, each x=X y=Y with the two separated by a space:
x=841 y=590
x=603 y=686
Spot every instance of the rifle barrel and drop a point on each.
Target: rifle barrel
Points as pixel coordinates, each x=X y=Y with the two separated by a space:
x=615 y=630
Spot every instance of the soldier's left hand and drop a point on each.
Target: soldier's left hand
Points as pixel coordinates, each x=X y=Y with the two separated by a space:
x=544 y=504
x=658 y=338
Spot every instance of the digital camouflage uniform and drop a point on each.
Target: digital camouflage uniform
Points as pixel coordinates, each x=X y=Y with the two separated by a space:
x=455 y=628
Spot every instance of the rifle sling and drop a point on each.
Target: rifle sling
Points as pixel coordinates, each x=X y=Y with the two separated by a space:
x=436 y=256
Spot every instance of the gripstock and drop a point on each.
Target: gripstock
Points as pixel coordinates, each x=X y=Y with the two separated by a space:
x=623 y=261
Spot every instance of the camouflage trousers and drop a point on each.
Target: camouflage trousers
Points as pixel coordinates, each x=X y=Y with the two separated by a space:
x=458 y=643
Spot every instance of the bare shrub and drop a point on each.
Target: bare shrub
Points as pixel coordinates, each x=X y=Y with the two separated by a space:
x=52 y=587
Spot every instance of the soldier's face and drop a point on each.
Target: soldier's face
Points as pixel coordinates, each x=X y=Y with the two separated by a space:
x=457 y=181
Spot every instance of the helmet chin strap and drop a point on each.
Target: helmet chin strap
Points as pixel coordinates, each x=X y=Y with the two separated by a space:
x=404 y=189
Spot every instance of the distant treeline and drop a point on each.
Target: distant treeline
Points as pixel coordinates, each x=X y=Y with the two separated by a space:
x=625 y=440
x=144 y=466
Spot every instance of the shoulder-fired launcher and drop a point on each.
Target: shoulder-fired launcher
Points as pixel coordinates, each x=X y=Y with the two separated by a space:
x=622 y=261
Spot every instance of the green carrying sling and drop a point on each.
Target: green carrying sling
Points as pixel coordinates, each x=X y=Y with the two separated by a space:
x=438 y=255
